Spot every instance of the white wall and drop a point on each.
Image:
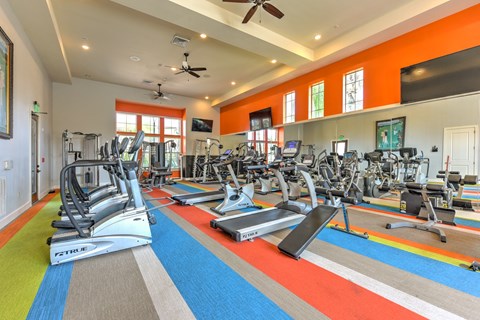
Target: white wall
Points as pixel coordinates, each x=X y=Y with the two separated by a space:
x=89 y=107
x=30 y=82
x=425 y=123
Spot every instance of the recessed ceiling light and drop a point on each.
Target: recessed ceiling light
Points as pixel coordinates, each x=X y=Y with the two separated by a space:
x=419 y=71
x=135 y=58
x=318 y=36
x=233 y=83
x=273 y=61
x=203 y=35
x=85 y=47
x=207 y=97
x=173 y=69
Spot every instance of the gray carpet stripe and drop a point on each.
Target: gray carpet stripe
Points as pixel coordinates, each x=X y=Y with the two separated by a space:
x=167 y=300
x=289 y=302
x=108 y=287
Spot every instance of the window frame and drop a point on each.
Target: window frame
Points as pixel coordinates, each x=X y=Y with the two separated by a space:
x=264 y=142
x=160 y=136
x=345 y=92
x=287 y=102
x=311 y=96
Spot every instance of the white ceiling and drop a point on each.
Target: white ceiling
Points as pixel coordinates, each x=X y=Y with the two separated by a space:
x=118 y=29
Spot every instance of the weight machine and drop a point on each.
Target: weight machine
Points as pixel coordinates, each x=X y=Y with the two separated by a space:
x=84 y=146
x=202 y=169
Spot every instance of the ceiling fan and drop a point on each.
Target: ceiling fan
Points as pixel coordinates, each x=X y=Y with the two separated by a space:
x=257 y=3
x=159 y=94
x=188 y=69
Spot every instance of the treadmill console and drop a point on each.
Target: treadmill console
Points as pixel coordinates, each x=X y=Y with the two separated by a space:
x=225 y=155
x=291 y=149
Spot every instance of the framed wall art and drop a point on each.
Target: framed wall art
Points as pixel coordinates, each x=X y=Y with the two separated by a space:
x=390 y=134
x=6 y=86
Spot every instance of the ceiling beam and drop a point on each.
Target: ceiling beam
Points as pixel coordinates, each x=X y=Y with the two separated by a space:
x=42 y=30
x=226 y=27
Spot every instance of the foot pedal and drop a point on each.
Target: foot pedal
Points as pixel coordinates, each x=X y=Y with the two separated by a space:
x=152 y=219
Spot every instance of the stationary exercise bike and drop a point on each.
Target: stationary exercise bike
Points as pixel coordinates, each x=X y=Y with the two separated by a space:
x=236 y=197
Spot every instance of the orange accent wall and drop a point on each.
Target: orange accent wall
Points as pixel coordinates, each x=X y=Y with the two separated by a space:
x=381 y=65
x=127 y=106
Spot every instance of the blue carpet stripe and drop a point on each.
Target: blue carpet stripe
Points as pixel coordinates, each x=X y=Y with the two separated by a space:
x=467 y=222
x=50 y=300
x=446 y=274
x=210 y=287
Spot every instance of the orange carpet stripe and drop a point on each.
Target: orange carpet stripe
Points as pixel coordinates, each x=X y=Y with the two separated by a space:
x=9 y=231
x=332 y=295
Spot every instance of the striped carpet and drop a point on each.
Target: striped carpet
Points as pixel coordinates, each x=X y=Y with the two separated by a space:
x=192 y=271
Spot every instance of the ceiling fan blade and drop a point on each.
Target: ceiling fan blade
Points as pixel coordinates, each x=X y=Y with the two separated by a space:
x=238 y=1
x=198 y=69
x=273 y=10
x=193 y=74
x=250 y=13
x=180 y=72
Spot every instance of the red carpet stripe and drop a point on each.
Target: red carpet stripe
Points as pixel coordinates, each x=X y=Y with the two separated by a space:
x=332 y=295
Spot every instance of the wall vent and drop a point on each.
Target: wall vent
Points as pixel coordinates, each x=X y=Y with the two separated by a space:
x=3 y=196
x=180 y=41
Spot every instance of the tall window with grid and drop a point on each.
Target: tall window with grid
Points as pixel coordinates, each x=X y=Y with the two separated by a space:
x=289 y=107
x=157 y=129
x=353 y=91
x=263 y=141
x=316 y=105
x=172 y=131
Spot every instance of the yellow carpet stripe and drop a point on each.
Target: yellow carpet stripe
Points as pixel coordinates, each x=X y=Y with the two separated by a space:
x=418 y=251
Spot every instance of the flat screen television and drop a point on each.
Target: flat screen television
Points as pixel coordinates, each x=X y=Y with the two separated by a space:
x=261 y=119
x=202 y=125
x=453 y=74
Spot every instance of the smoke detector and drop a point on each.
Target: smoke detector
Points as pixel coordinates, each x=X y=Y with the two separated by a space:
x=179 y=41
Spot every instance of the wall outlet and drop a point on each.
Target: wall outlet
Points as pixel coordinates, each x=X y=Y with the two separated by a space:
x=8 y=165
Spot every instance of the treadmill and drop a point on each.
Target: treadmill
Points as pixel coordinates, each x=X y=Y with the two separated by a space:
x=197 y=197
x=287 y=213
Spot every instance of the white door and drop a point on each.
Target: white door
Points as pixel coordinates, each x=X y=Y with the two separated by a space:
x=459 y=143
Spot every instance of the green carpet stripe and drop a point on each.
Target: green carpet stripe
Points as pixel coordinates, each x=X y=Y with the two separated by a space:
x=24 y=261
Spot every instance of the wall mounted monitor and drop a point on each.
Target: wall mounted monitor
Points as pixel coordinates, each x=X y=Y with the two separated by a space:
x=202 y=125
x=453 y=74
x=261 y=119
